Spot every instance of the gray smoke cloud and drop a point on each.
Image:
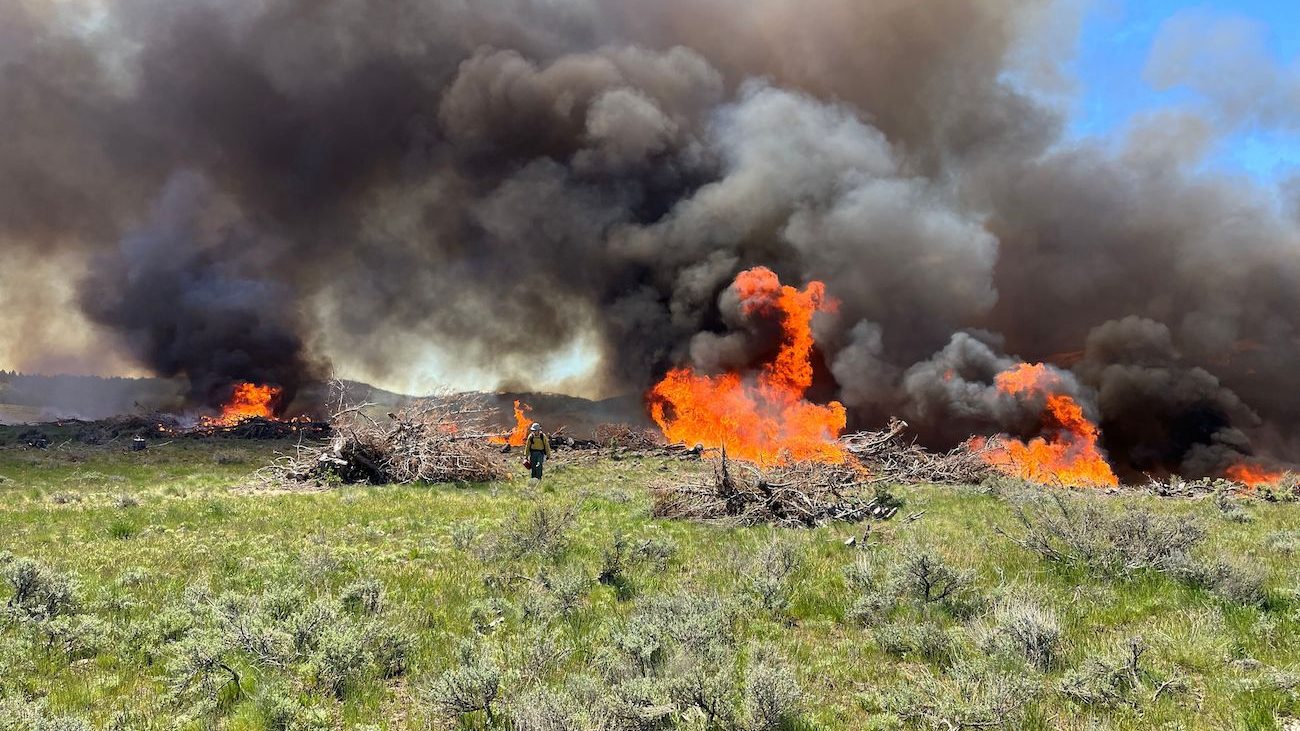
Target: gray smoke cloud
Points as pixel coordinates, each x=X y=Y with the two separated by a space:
x=247 y=183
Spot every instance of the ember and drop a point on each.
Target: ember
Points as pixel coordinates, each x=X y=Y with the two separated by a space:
x=1069 y=454
x=761 y=417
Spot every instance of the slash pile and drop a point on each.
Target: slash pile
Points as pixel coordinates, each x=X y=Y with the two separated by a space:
x=800 y=494
x=626 y=436
x=439 y=440
x=814 y=492
x=890 y=458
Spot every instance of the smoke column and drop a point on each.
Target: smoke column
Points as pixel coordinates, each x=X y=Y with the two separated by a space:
x=244 y=183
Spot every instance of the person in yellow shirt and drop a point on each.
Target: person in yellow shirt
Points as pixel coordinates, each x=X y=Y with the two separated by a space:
x=538 y=447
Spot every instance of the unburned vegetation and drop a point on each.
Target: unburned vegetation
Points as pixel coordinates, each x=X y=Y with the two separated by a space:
x=169 y=590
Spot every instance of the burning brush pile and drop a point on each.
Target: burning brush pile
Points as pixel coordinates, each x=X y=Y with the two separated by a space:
x=251 y=413
x=793 y=469
x=437 y=440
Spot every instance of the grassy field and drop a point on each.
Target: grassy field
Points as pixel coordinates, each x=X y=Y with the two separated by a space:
x=168 y=589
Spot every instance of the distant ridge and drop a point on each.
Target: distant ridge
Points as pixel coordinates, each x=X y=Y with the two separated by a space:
x=27 y=398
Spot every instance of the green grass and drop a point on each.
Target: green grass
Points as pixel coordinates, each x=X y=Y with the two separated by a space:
x=198 y=520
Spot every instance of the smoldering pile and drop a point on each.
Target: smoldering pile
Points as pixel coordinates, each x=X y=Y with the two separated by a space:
x=435 y=440
x=157 y=427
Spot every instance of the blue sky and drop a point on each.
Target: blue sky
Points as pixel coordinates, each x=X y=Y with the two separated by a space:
x=1116 y=42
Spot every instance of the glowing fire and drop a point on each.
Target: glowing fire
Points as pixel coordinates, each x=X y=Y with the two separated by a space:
x=520 y=432
x=761 y=417
x=248 y=400
x=1253 y=476
x=1068 y=455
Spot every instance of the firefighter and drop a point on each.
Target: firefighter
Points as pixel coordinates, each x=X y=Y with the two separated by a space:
x=538 y=446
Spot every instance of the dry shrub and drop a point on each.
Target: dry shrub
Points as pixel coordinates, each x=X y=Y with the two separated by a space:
x=1082 y=532
x=929 y=578
x=928 y=640
x=1026 y=629
x=543 y=531
x=1108 y=682
x=768 y=579
x=772 y=697
x=1232 y=580
x=970 y=694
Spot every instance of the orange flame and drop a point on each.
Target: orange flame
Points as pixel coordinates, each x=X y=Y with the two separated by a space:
x=1069 y=455
x=249 y=400
x=1253 y=476
x=520 y=432
x=761 y=417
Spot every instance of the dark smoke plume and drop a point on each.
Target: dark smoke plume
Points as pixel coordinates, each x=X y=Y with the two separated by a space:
x=189 y=292
x=257 y=189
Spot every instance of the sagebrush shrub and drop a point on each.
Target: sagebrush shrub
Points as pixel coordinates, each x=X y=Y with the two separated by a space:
x=1286 y=542
x=307 y=626
x=543 y=531
x=280 y=710
x=874 y=591
x=635 y=704
x=615 y=560
x=78 y=636
x=365 y=596
x=463 y=535
x=339 y=660
x=1233 y=581
x=1242 y=583
x=544 y=709
x=123 y=501
x=39 y=592
x=281 y=602
x=467 y=689
x=970 y=694
x=319 y=563
x=926 y=576
x=1231 y=508
x=705 y=681
x=19 y=715
x=202 y=669
x=568 y=587
x=768 y=578
x=1107 y=682
x=624 y=554
x=1083 y=532
x=132 y=577
x=926 y=639
x=168 y=625
x=487 y=615
x=535 y=653
x=1028 y=630
x=772 y=697
x=389 y=648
